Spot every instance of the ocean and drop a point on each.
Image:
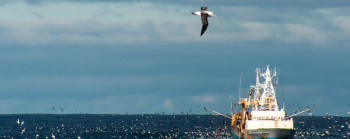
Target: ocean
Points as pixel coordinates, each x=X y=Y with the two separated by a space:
x=92 y=126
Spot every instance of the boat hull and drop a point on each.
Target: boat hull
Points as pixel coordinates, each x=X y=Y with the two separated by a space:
x=263 y=133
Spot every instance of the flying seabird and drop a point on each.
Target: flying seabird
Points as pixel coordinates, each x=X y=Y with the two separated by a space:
x=204 y=13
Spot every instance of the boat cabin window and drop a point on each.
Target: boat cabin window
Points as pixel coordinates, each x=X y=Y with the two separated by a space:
x=268 y=118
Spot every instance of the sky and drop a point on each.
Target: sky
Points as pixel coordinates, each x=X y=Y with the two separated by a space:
x=146 y=57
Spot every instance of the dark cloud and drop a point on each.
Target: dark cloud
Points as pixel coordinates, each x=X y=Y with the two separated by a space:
x=157 y=71
x=258 y=3
x=155 y=64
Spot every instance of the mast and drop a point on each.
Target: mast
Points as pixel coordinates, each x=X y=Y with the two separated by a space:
x=268 y=98
x=257 y=88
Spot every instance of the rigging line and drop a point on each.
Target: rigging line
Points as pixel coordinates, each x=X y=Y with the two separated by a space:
x=239 y=89
x=207 y=109
x=279 y=76
x=298 y=113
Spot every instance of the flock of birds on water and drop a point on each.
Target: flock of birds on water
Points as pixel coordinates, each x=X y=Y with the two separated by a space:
x=184 y=125
x=116 y=126
x=160 y=126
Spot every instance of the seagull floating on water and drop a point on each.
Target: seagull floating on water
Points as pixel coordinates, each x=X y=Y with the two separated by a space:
x=204 y=13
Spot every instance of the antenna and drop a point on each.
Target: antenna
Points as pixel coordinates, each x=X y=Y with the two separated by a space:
x=281 y=86
x=275 y=73
x=232 y=108
x=257 y=70
x=240 y=84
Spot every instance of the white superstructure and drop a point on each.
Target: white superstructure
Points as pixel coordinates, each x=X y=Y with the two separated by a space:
x=265 y=112
x=269 y=119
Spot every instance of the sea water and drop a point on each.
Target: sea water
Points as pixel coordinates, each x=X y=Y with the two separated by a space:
x=151 y=126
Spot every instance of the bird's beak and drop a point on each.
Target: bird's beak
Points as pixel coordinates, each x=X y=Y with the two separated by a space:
x=214 y=15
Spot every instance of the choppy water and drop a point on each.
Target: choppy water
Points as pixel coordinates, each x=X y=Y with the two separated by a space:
x=151 y=126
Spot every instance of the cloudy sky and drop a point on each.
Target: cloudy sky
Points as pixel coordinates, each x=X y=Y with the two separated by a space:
x=119 y=57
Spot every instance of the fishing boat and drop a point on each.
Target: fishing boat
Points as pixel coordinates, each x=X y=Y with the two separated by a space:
x=260 y=115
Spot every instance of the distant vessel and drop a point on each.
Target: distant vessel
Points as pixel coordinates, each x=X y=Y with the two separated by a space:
x=260 y=116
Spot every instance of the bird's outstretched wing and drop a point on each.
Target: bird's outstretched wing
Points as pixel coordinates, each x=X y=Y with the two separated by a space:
x=196 y=13
x=204 y=22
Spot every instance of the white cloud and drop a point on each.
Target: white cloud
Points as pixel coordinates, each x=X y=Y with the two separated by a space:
x=168 y=104
x=343 y=23
x=203 y=99
x=257 y=31
x=101 y=23
x=302 y=33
